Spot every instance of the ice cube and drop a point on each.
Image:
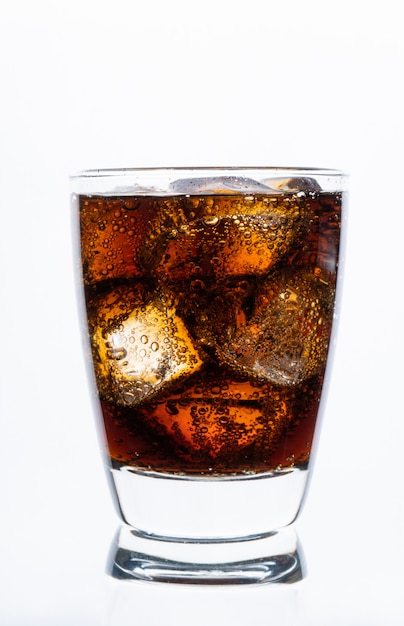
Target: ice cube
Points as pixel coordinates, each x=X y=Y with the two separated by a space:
x=212 y=185
x=139 y=345
x=223 y=236
x=218 y=418
x=282 y=336
x=298 y=183
x=227 y=303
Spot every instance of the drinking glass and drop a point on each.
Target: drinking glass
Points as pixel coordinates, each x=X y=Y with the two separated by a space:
x=209 y=296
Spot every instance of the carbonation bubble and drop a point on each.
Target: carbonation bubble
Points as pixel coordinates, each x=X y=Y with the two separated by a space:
x=211 y=220
x=197 y=285
x=117 y=353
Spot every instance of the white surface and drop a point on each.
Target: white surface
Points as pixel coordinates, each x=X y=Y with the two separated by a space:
x=97 y=84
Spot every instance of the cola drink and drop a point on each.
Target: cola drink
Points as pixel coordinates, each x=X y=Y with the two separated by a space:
x=209 y=313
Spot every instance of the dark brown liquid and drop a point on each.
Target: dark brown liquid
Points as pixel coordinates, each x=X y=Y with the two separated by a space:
x=209 y=319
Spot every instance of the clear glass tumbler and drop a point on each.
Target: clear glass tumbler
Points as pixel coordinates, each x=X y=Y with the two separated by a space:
x=209 y=296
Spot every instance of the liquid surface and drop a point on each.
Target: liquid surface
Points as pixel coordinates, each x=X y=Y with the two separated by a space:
x=209 y=321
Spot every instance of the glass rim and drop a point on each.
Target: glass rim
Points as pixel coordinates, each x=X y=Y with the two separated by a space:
x=178 y=181
x=278 y=170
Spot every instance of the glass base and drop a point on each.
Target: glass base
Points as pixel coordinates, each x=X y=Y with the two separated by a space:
x=208 y=530
x=275 y=558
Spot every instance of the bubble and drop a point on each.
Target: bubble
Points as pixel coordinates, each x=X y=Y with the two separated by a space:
x=154 y=346
x=144 y=339
x=117 y=353
x=197 y=285
x=211 y=220
x=128 y=397
x=171 y=407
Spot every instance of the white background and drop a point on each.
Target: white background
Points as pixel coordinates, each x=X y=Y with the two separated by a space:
x=161 y=83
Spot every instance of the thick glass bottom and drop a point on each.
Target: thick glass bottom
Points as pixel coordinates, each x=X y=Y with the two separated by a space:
x=214 y=508
x=272 y=559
